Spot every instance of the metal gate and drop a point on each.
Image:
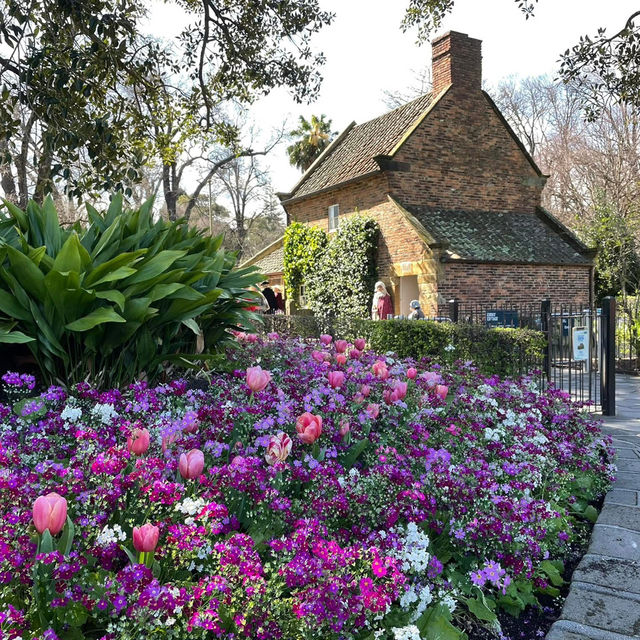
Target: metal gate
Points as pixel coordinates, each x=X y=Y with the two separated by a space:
x=580 y=356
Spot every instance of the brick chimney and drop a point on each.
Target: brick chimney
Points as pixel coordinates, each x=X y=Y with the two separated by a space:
x=457 y=60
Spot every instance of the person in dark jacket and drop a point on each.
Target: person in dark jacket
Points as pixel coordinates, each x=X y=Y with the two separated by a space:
x=270 y=297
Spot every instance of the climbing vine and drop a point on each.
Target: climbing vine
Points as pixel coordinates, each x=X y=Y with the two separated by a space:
x=303 y=246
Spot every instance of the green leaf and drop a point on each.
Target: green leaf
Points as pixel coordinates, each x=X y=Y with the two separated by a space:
x=72 y=256
x=478 y=606
x=66 y=539
x=552 y=572
x=132 y=557
x=434 y=625
x=14 y=337
x=591 y=513
x=155 y=266
x=95 y=318
x=46 y=542
x=113 y=295
x=27 y=273
x=349 y=458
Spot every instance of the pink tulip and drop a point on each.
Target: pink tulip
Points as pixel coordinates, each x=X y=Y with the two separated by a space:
x=326 y=339
x=50 y=512
x=354 y=354
x=358 y=398
x=360 y=343
x=138 y=442
x=344 y=427
x=278 y=449
x=431 y=378
x=191 y=464
x=273 y=335
x=365 y=390
x=336 y=379
x=412 y=373
x=240 y=336
x=373 y=410
x=341 y=346
x=257 y=379
x=145 y=538
x=398 y=391
x=380 y=370
x=318 y=356
x=441 y=391
x=309 y=427
x=251 y=337
x=341 y=359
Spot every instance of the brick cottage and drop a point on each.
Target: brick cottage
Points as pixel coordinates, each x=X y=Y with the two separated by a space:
x=456 y=195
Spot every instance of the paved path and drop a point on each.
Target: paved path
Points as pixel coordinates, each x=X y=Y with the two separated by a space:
x=604 y=599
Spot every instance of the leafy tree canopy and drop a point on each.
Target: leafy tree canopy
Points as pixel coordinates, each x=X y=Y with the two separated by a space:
x=606 y=67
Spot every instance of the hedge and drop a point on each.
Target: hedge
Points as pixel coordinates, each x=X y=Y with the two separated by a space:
x=505 y=352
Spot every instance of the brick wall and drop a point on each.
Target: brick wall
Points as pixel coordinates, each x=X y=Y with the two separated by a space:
x=457 y=59
x=462 y=157
x=505 y=283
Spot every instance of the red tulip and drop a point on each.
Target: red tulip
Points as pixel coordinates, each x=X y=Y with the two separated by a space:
x=412 y=373
x=441 y=391
x=360 y=344
x=326 y=339
x=309 y=427
x=50 y=512
x=257 y=379
x=341 y=346
x=145 y=538
x=354 y=354
x=341 y=359
x=138 y=442
x=191 y=464
x=344 y=427
x=278 y=449
x=318 y=356
x=336 y=379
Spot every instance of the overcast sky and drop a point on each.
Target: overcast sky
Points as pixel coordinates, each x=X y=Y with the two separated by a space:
x=367 y=53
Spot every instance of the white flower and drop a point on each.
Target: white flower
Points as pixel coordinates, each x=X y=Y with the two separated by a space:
x=109 y=535
x=493 y=435
x=449 y=347
x=410 y=632
x=106 y=412
x=71 y=414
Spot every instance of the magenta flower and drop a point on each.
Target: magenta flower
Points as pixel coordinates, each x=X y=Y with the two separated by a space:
x=359 y=344
x=341 y=346
x=336 y=379
x=325 y=339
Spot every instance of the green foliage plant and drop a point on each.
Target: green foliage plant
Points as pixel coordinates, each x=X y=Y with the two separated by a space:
x=342 y=283
x=116 y=299
x=302 y=247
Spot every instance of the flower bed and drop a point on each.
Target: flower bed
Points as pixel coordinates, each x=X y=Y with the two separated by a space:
x=316 y=490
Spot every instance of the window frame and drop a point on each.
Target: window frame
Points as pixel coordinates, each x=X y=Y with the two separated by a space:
x=335 y=218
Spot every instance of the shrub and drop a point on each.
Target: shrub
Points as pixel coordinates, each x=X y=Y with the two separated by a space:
x=505 y=352
x=117 y=298
x=302 y=247
x=342 y=282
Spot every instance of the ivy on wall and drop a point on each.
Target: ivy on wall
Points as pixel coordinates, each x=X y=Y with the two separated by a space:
x=303 y=246
x=339 y=272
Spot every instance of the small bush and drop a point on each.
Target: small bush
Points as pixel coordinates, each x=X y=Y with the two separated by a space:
x=118 y=298
x=505 y=352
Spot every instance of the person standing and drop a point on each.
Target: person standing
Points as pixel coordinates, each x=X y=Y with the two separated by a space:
x=416 y=312
x=270 y=297
x=381 y=306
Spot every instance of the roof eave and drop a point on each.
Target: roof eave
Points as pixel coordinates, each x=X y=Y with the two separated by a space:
x=332 y=187
x=451 y=259
x=567 y=235
x=262 y=253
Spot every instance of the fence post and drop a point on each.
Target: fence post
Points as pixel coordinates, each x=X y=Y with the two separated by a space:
x=608 y=357
x=545 y=317
x=454 y=309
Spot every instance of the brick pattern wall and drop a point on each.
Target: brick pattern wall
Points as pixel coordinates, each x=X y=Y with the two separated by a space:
x=457 y=58
x=502 y=284
x=462 y=157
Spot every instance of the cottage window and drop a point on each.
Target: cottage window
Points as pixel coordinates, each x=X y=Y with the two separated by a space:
x=301 y=296
x=334 y=211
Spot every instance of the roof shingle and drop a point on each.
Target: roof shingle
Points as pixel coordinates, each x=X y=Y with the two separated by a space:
x=488 y=236
x=354 y=155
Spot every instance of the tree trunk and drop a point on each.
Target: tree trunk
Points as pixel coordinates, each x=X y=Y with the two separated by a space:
x=43 y=181
x=170 y=195
x=7 y=181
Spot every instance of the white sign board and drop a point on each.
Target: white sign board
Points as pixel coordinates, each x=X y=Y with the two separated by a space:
x=580 y=341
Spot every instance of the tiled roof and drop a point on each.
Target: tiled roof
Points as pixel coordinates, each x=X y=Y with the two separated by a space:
x=269 y=260
x=487 y=236
x=354 y=155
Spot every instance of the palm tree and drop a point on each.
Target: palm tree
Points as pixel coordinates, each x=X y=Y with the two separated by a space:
x=314 y=137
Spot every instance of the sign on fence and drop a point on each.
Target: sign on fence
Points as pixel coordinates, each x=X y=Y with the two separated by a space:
x=501 y=318
x=580 y=341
